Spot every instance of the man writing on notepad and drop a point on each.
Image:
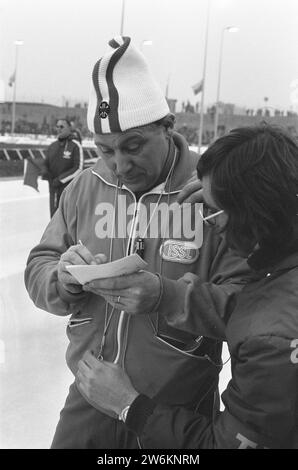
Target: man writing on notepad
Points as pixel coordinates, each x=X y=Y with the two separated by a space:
x=125 y=204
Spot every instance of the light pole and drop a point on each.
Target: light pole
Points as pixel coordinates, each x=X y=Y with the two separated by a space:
x=13 y=119
x=122 y=17
x=168 y=86
x=230 y=29
x=204 y=80
x=145 y=42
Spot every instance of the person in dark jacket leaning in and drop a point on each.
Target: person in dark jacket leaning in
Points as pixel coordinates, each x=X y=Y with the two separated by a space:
x=64 y=161
x=126 y=204
x=251 y=174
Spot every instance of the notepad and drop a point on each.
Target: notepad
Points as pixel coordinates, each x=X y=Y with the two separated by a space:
x=88 y=272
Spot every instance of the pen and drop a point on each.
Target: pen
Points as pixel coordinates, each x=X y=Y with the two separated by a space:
x=80 y=242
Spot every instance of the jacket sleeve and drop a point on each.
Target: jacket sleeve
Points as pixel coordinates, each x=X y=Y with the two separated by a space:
x=78 y=161
x=41 y=275
x=260 y=407
x=204 y=307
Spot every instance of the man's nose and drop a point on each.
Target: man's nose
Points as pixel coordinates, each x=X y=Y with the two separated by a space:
x=123 y=164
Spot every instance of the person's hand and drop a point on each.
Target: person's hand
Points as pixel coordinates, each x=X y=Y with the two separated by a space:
x=105 y=384
x=134 y=293
x=76 y=254
x=191 y=193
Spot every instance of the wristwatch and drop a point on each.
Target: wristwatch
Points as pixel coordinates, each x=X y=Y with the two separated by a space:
x=123 y=415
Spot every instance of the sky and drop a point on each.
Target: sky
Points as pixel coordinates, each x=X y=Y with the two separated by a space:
x=64 y=38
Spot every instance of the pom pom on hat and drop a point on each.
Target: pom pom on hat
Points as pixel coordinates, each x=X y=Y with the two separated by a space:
x=124 y=93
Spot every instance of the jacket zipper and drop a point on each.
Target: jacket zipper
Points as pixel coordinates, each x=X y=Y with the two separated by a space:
x=129 y=250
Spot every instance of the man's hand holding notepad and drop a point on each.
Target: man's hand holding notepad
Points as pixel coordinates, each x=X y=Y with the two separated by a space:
x=88 y=272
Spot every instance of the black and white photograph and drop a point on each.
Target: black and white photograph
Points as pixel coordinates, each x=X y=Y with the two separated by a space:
x=148 y=227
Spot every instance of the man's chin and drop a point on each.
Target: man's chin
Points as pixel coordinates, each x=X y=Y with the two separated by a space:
x=135 y=188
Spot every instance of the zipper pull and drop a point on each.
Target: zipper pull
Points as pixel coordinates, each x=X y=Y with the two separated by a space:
x=140 y=247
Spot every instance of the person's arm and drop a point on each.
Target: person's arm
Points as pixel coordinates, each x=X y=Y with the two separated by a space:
x=45 y=171
x=260 y=407
x=64 y=296
x=188 y=303
x=77 y=167
x=205 y=307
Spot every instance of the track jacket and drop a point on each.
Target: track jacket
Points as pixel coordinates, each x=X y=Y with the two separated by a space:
x=261 y=400
x=178 y=366
x=64 y=160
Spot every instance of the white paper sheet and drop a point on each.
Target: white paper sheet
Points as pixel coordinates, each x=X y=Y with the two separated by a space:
x=88 y=272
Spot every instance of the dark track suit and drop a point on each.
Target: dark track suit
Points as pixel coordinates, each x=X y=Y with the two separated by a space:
x=64 y=161
x=261 y=400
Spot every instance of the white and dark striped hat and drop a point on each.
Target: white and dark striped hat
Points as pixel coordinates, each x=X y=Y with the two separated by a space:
x=124 y=93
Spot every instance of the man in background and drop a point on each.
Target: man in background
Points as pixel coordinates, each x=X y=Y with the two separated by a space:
x=64 y=161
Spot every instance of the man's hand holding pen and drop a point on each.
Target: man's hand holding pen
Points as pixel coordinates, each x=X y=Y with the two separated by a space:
x=135 y=293
x=76 y=254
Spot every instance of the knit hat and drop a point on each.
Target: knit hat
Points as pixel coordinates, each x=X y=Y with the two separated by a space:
x=124 y=93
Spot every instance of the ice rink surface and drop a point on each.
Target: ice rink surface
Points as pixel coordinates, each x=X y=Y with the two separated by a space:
x=33 y=375
x=34 y=378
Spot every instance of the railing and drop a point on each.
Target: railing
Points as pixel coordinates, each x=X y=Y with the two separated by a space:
x=18 y=153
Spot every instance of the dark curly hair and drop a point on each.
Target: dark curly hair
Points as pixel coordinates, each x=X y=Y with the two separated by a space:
x=254 y=178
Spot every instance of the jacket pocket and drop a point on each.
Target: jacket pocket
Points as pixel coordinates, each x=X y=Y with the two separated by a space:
x=75 y=322
x=185 y=343
x=172 y=375
x=198 y=348
x=190 y=349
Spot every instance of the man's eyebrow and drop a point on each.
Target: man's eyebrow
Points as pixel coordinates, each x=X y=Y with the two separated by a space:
x=98 y=142
x=131 y=137
x=129 y=134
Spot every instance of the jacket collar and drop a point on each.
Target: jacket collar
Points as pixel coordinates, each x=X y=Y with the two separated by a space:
x=65 y=139
x=289 y=262
x=185 y=165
